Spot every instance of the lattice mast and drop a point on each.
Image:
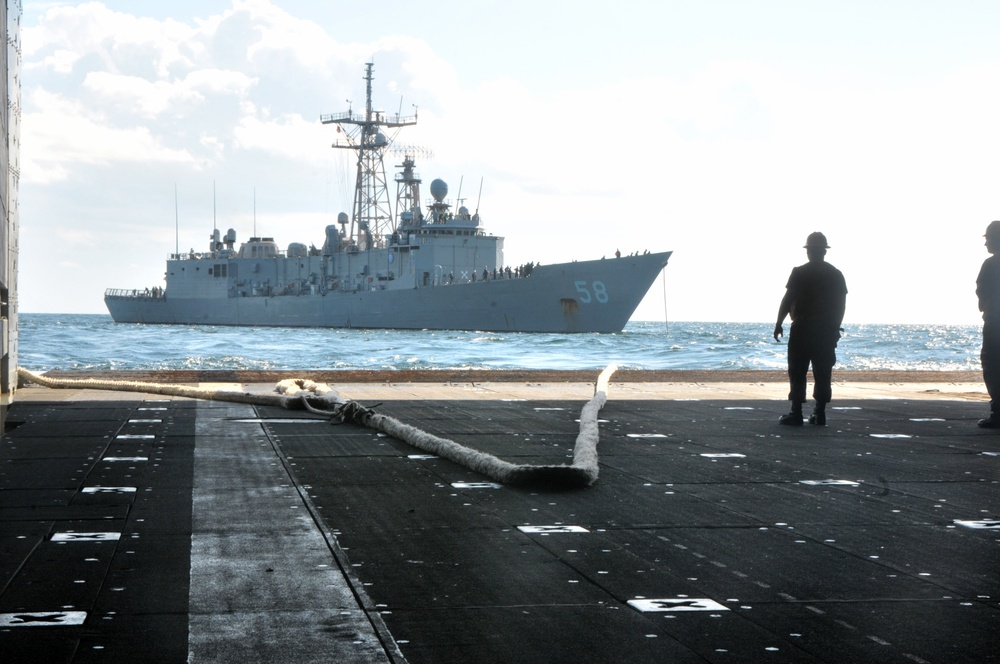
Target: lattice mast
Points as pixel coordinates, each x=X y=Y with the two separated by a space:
x=408 y=183
x=372 y=209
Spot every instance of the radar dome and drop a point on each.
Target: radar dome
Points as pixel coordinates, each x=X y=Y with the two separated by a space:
x=381 y=140
x=342 y=218
x=439 y=189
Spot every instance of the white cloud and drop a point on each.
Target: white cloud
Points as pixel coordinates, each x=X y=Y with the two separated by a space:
x=289 y=136
x=219 y=81
x=61 y=136
x=68 y=34
x=178 y=97
x=132 y=94
x=60 y=61
x=277 y=32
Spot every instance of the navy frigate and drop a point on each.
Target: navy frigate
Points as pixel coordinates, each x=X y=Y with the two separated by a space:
x=435 y=268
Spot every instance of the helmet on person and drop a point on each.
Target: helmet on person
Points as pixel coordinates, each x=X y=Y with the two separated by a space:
x=993 y=230
x=817 y=240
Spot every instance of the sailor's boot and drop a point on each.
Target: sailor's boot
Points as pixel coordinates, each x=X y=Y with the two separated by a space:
x=793 y=418
x=991 y=422
x=819 y=414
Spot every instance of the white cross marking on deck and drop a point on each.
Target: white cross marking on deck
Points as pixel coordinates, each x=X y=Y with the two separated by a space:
x=42 y=619
x=86 y=537
x=676 y=604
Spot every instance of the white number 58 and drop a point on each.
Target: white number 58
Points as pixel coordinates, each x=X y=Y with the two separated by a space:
x=600 y=292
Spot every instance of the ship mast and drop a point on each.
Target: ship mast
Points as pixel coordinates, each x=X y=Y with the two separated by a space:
x=372 y=209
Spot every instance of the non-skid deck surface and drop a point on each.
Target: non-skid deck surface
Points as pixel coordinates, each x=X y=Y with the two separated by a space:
x=740 y=540
x=150 y=529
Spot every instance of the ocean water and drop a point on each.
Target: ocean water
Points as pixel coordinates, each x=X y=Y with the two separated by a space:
x=76 y=341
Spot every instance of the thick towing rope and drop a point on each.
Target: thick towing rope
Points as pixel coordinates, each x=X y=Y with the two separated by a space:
x=322 y=399
x=582 y=472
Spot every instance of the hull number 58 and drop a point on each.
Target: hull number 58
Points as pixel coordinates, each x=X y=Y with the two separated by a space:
x=596 y=292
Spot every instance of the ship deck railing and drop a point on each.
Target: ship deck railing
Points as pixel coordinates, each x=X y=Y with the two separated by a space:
x=210 y=256
x=135 y=293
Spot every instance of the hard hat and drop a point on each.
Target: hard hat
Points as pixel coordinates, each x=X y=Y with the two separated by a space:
x=819 y=240
x=993 y=230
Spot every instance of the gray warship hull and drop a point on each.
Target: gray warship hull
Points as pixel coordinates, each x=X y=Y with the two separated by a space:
x=586 y=296
x=433 y=267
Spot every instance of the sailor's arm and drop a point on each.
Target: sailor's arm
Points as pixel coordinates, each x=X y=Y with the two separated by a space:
x=783 y=310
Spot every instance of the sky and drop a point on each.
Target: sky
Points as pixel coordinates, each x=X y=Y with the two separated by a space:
x=724 y=131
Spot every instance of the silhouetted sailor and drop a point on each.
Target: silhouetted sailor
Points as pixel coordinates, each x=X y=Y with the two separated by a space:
x=988 y=290
x=815 y=296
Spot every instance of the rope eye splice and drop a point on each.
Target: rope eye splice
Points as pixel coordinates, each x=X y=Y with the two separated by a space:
x=581 y=473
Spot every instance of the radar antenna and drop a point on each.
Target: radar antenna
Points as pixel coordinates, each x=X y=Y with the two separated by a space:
x=372 y=210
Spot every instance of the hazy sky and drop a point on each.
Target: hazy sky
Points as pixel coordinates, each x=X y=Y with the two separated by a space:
x=725 y=131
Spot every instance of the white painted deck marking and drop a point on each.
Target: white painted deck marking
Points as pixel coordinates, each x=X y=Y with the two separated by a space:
x=145 y=421
x=476 y=485
x=676 y=604
x=86 y=537
x=279 y=420
x=552 y=529
x=645 y=435
x=830 y=482
x=42 y=618
x=114 y=459
x=890 y=435
x=108 y=489
x=135 y=436
x=421 y=457
x=724 y=455
x=980 y=525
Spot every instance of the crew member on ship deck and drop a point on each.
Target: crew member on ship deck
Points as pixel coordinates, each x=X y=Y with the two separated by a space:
x=816 y=297
x=988 y=291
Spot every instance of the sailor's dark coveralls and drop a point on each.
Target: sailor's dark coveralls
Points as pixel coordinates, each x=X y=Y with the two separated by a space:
x=818 y=297
x=988 y=290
